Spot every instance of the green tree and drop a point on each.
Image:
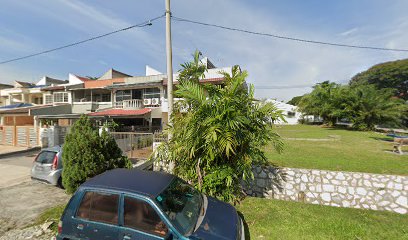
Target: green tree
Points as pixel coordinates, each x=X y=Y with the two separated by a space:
x=87 y=154
x=218 y=133
x=295 y=100
x=325 y=101
x=366 y=106
x=392 y=75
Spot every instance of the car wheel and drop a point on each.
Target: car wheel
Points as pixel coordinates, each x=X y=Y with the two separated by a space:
x=60 y=183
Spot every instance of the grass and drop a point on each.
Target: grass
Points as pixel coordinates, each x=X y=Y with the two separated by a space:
x=274 y=219
x=52 y=214
x=350 y=151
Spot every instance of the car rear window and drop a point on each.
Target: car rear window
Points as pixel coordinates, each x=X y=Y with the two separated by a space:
x=46 y=157
x=99 y=207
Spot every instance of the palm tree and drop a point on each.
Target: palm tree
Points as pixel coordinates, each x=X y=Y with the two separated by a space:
x=218 y=133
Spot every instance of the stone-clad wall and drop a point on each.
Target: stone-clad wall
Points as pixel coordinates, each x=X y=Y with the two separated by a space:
x=341 y=189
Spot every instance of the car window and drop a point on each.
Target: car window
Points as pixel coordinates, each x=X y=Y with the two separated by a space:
x=182 y=204
x=99 y=207
x=141 y=216
x=45 y=157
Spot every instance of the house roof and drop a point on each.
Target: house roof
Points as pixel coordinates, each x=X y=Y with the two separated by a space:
x=147 y=183
x=22 y=84
x=17 y=105
x=24 y=109
x=2 y=86
x=121 y=112
x=112 y=73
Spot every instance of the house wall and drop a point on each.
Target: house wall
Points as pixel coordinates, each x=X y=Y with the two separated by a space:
x=87 y=107
x=332 y=188
x=20 y=120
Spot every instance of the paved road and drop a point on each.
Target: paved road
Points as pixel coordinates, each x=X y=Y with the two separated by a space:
x=15 y=169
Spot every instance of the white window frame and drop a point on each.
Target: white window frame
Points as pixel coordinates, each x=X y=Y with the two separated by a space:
x=63 y=99
x=50 y=99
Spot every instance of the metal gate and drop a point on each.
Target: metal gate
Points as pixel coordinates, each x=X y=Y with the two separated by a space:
x=23 y=136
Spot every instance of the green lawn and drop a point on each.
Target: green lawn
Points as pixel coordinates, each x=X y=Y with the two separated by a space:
x=353 y=151
x=274 y=219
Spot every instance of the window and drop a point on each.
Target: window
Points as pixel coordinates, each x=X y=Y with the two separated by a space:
x=99 y=207
x=48 y=99
x=182 y=204
x=45 y=157
x=61 y=97
x=291 y=114
x=141 y=216
x=37 y=100
x=151 y=93
x=123 y=95
x=156 y=122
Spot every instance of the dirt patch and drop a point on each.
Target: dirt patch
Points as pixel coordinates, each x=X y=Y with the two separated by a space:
x=21 y=204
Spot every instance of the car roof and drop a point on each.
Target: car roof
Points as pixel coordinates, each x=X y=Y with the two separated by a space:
x=53 y=149
x=148 y=183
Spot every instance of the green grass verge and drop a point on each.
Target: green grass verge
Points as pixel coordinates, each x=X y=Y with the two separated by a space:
x=274 y=219
x=52 y=214
x=353 y=151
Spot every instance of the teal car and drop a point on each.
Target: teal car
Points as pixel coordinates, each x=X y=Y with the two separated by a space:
x=136 y=204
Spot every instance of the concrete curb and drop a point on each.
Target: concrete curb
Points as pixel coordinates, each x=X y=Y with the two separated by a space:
x=4 y=155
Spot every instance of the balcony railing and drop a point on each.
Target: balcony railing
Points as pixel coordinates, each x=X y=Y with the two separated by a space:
x=130 y=104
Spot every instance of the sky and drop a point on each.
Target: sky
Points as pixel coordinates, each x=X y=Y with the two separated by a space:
x=277 y=68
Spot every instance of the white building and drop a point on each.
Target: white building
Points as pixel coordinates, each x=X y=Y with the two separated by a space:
x=290 y=112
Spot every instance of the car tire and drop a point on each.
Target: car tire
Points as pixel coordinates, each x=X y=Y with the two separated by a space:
x=59 y=184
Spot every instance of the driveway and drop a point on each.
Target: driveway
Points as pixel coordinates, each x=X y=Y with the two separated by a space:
x=15 y=169
x=22 y=200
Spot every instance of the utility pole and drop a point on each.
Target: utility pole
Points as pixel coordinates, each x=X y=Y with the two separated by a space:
x=169 y=53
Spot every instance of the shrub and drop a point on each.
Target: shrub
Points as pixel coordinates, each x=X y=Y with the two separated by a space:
x=87 y=154
x=218 y=133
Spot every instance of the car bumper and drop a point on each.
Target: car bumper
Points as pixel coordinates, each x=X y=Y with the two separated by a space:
x=51 y=178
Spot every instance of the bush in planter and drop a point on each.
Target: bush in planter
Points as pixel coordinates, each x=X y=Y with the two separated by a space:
x=87 y=154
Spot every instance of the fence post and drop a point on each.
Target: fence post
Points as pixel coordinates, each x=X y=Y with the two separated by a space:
x=131 y=145
x=27 y=131
x=14 y=141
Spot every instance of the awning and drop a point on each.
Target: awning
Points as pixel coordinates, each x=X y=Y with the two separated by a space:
x=120 y=112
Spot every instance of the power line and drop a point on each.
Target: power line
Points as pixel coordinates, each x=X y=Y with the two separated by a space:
x=288 y=38
x=143 y=24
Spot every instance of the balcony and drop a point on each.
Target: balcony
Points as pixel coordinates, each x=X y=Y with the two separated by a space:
x=129 y=104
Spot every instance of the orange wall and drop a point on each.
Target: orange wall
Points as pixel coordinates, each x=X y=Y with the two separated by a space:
x=20 y=121
x=102 y=83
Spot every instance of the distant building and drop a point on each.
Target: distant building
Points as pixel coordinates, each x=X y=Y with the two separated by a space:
x=290 y=112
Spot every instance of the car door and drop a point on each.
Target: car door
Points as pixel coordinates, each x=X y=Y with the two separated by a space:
x=141 y=221
x=97 y=216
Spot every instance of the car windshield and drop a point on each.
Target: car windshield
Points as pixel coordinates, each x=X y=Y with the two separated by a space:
x=45 y=157
x=182 y=204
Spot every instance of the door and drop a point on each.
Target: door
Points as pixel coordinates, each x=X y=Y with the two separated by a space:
x=141 y=221
x=97 y=216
